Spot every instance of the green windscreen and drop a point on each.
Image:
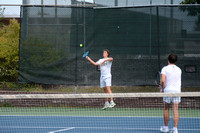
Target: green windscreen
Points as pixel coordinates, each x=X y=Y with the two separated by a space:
x=139 y=39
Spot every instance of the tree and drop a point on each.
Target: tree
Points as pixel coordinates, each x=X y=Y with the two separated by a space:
x=192 y=11
x=1 y=16
x=9 y=45
x=190 y=2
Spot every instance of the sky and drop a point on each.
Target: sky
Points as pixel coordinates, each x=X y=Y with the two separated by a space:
x=11 y=11
x=14 y=11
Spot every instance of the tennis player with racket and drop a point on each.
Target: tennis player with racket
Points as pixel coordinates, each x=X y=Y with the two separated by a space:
x=105 y=78
x=171 y=83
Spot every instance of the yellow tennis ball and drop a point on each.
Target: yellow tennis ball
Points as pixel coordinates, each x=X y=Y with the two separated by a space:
x=81 y=45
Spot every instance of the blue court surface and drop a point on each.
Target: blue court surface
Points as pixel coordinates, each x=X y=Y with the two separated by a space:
x=78 y=124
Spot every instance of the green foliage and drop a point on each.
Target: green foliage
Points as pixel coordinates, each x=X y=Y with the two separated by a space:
x=192 y=11
x=38 y=58
x=1 y=16
x=9 y=43
x=190 y=2
x=9 y=86
x=37 y=53
x=7 y=104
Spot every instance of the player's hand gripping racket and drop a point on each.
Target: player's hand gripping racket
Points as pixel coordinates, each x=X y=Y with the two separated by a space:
x=85 y=54
x=158 y=81
x=158 y=78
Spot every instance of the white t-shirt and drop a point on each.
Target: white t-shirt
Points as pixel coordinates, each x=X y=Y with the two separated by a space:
x=173 y=78
x=106 y=68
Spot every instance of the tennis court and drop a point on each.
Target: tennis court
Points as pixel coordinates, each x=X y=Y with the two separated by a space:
x=86 y=124
x=66 y=114
x=53 y=39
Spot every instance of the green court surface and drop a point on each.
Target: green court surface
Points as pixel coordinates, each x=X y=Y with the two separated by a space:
x=89 y=111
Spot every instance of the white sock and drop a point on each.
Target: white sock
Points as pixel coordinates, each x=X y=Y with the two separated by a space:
x=165 y=127
x=111 y=101
x=106 y=102
x=174 y=128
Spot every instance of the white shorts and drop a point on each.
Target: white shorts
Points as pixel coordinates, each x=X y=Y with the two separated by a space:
x=105 y=81
x=172 y=99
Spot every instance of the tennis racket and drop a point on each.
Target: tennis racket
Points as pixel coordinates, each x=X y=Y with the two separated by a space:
x=158 y=78
x=85 y=54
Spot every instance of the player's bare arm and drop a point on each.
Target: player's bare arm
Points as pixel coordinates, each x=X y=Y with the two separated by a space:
x=109 y=59
x=162 y=82
x=94 y=63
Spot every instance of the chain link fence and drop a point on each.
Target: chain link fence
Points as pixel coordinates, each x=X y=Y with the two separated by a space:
x=139 y=38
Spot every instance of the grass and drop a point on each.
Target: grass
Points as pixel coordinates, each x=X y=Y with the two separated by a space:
x=8 y=86
x=64 y=111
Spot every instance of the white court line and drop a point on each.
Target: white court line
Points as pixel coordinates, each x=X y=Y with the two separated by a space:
x=134 y=128
x=70 y=128
x=29 y=127
x=95 y=116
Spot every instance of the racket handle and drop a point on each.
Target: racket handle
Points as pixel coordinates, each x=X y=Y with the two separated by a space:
x=161 y=89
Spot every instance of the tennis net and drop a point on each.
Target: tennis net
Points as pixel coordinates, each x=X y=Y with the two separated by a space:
x=82 y=113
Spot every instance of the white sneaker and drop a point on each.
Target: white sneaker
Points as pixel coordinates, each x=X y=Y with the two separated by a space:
x=164 y=130
x=106 y=106
x=174 y=131
x=112 y=104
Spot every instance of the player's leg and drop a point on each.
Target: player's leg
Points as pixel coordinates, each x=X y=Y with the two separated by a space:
x=176 y=114
x=108 y=87
x=176 y=101
x=108 y=90
x=105 y=91
x=103 y=85
x=165 y=128
x=166 y=113
x=112 y=103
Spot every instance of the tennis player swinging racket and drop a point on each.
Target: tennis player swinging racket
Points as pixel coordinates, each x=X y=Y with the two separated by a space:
x=105 y=78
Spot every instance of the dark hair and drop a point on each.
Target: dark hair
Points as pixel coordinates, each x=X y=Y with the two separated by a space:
x=107 y=51
x=172 y=58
